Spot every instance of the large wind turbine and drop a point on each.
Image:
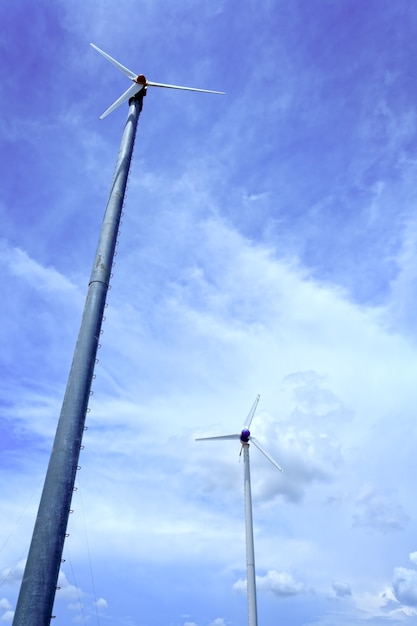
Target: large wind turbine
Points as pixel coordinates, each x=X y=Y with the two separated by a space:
x=140 y=83
x=245 y=437
x=37 y=591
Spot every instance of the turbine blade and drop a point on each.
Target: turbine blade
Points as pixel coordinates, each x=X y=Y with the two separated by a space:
x=119 y=66
x=129 y=93
x=220 y=437
x=150 y=84
x=249 y=418
x=260 y=448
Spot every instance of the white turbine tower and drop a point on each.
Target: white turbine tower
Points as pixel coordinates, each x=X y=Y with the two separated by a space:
x=245 y=437
x=37 y=591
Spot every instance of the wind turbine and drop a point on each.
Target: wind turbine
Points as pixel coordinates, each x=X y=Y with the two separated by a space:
x=140 y=83
x=39 y=583
x=245 y=437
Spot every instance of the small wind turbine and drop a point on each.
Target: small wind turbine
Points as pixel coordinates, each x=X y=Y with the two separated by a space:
x=39 y=583
x=245 y=437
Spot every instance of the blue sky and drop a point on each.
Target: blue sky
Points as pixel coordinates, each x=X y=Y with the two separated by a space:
x=268 y=246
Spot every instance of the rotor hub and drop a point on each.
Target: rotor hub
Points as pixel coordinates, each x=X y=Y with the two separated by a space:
x=245 y=435
x=141 y=79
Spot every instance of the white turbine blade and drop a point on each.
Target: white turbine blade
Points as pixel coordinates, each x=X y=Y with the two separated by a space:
x=249 y=418
x=129 y=93
x=220 y=437
x=260 y=448
x=119 y=66
x=150 y=84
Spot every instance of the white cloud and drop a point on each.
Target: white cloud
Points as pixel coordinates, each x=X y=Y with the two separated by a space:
x=376 y=604
x=68 y=591
x=7 y=616
x=13 y=575
x=5 y=604
x=341 y=589
x=405 y=586
x=101 y=603
x=279 y=583
x=21 y=265
x=306 y=456
x=379 y=511
x=404 y=285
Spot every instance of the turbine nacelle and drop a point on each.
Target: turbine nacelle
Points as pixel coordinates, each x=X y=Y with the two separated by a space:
x=245 y=436
x=139 y=83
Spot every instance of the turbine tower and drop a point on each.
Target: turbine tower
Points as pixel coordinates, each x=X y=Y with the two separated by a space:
x=245 y=437
x=37 y=591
